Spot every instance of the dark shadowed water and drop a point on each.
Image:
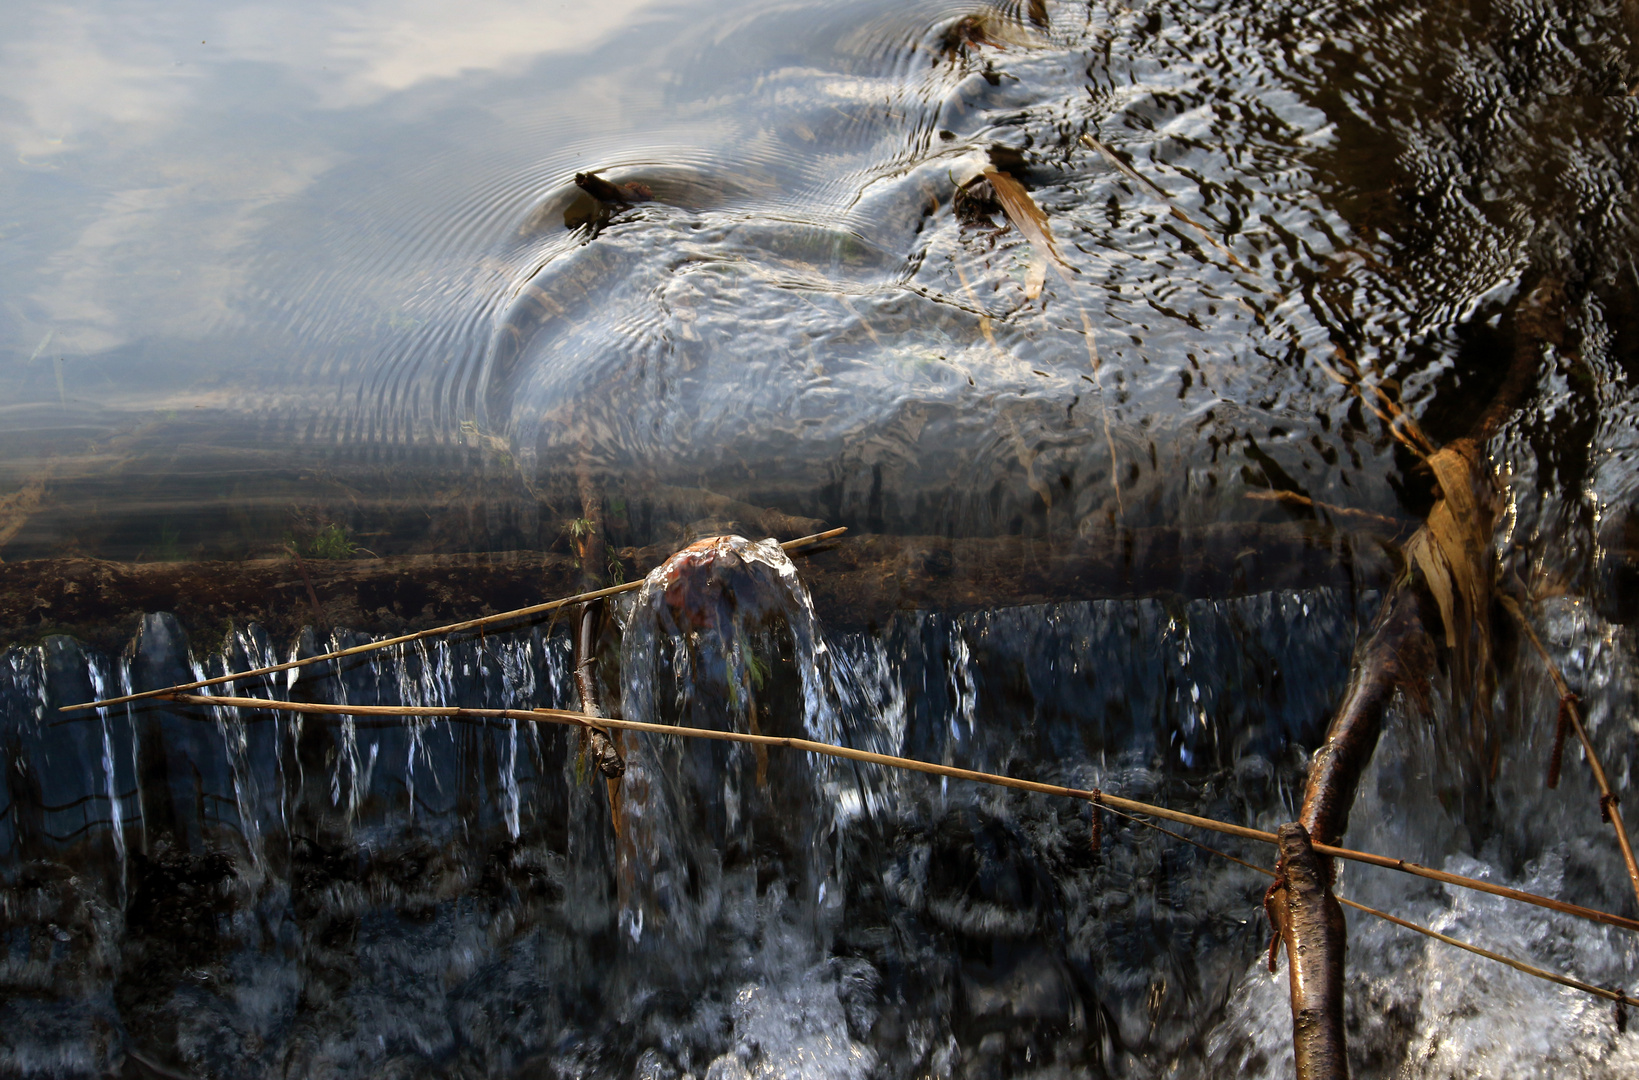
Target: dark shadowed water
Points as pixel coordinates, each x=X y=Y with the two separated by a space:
x=267 y=270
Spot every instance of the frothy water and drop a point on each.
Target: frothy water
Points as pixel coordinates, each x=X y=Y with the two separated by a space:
x=236 y=893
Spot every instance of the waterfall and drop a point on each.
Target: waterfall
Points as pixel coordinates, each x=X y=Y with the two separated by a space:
x=272 y=892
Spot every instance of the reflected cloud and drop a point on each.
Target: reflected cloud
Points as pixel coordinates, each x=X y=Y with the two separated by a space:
x=176 y=126
x=67 y=71
x=124 y=69
x=355 y=54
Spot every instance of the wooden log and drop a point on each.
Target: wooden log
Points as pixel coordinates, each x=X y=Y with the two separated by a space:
x=1314 y=934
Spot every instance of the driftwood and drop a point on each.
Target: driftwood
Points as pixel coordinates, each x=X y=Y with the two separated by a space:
x=1447 y=583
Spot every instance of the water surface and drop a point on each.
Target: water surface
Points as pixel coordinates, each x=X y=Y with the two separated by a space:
x=268 y=269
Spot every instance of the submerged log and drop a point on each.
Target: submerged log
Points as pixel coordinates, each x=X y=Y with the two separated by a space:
x=1313 y=931
x=857 y=582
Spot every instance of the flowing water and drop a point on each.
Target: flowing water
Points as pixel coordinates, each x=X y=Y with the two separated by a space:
x=270 y=270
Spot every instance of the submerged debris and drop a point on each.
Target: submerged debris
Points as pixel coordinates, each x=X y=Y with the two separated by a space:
x=613 y=194
x=1031 y=222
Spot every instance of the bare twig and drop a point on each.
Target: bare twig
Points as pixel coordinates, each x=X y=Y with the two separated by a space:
x=1518 y=965
x=1103 y=798
x=1568 y=711
x=1294 y=499
x=437 y=631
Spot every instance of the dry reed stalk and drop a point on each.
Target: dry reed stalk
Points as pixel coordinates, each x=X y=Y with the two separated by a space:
x=1102 y=798
x=1568 y=711
x=419 y=635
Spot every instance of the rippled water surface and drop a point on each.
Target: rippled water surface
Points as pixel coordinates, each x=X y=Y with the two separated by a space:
x=260 y=257
x=269 y=270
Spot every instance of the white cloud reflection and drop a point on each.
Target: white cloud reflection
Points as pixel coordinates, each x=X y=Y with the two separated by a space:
x=144 y=140
x=354 y=54
x=67 y=70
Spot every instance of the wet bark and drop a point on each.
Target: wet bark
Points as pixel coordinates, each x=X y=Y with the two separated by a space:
x=1397 y=654
x=1314 y=934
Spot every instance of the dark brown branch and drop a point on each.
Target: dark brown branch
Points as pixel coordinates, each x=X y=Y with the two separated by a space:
x=1312 y=927
x=1398 y=654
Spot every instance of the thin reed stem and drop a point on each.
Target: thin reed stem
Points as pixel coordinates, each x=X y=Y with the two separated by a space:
x=1568 y=710
x=386 y=643
x=1518 y=965
x=1101 y=798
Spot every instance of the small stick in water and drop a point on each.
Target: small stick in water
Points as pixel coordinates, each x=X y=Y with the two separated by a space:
x=1561 y=729
x=1098 y=826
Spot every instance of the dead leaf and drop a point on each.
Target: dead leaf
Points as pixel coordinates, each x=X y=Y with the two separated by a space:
x=995 y=29
x=1453 y=552
x=1031 y=222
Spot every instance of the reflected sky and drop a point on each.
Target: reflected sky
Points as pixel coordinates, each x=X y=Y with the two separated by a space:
x=246 y=236
x=147 y=141
x=259 y=257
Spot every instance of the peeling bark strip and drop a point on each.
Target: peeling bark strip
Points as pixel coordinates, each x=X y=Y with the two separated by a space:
x=1314 y=932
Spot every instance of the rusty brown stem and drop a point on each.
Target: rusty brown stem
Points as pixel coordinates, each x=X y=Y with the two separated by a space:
x=502 y=618
x=1562 y=728
x=1568 y=710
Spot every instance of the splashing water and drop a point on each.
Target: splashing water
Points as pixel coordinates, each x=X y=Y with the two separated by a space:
x=179 y=881
x=723 y=636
